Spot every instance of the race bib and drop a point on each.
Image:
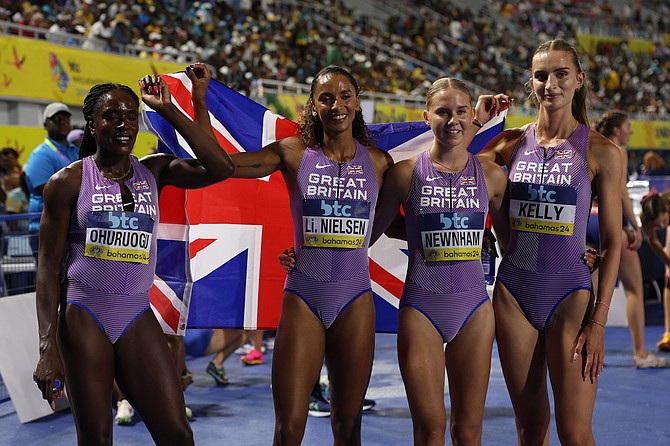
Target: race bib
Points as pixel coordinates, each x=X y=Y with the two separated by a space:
x=119 y=236
x=449 y=236
x=543 y=208
x=335 y=223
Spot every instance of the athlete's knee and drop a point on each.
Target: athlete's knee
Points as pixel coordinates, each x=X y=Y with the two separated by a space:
x=574 y=432
x=180 y=435
x=466 y=434
x=429 y=437
x=98 y=435
x=533 y=434
x=346 y=426
x=288 y=432
x=429 y=433
x=576 y=437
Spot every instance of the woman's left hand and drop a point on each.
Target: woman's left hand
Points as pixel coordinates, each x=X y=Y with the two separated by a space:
x=591 y=348
x=200 y=77
x=489 y=106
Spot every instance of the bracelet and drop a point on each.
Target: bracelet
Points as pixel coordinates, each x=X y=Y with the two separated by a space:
x=602 y=303
x=477 y=123
x=597 y=323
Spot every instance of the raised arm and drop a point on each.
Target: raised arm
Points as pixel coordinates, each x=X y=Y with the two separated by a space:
x=496 y=183
x=212 y=164
x=60 y=195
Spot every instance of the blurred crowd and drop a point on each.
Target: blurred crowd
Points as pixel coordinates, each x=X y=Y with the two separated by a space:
x=246 y=40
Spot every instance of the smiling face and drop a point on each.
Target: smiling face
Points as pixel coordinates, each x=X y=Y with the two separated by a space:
x=449 y=114
x=335 y=101
x=555 y=78
x=116 y=122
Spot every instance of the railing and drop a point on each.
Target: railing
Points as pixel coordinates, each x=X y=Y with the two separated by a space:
x=272 y=86
x=17 y=261
x=94 y=44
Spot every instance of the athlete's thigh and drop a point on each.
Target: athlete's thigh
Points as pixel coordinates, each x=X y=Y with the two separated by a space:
x=88 y=358
x=297 y=357
x=574 y=397
x=468 y=360
x=522 y=354
x=146 y=372
x=421 y=361
x=350 y=344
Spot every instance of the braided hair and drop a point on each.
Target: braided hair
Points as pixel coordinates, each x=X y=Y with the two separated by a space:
x=91 y=107
x=310 y=128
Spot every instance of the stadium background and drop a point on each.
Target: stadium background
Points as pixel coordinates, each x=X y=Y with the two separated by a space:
x=56 y=50
x=268 y=50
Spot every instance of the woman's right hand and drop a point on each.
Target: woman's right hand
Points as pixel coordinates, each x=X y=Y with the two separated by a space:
x=287 y=259
x=49 y=370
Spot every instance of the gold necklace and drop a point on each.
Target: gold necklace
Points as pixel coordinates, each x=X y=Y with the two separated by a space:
x=449 y=169
x=130 y=166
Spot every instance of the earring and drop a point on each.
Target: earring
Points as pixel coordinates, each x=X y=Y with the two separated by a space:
x=313 y=113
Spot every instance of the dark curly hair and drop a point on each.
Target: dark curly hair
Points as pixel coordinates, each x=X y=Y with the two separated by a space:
x=580 y=104
x=91 y=107
x=309 y=126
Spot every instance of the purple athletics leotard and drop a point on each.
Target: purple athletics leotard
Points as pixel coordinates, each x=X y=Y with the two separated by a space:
x=549 y=209
x=333 y=206
x=111 y=252
x=445 y=215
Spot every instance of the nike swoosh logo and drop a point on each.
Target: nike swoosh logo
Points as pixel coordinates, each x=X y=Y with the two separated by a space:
x=432 y=178
x=528 y=152
x=322 y=166
x=98 y=187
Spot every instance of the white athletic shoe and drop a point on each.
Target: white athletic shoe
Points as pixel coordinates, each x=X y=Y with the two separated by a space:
x=124 y=413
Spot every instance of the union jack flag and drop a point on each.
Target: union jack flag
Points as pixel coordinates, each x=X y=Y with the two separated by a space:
x=563 y=153
x=217 y=247
x=468 y=180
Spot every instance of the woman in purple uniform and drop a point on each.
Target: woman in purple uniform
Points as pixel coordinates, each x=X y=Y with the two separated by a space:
x=333 y=176
x=101 y=216
x=546 y=318
x=446 y=193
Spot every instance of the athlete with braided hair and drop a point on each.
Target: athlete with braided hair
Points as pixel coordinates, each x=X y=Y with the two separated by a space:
x=101 y=216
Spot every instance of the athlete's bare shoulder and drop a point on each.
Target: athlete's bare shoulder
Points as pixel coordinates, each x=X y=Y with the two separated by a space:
x=290 y=150
x=602 y=153
x=501 y=147
x=380 y=159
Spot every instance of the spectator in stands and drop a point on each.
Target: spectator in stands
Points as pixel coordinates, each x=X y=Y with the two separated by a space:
x=75 y=137
x=48 y=158
x=16 y=201
x=653 y=164
x=105 y=329
x=230 y=39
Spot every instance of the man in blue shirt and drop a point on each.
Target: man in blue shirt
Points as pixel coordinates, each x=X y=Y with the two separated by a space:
x=48 y=158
